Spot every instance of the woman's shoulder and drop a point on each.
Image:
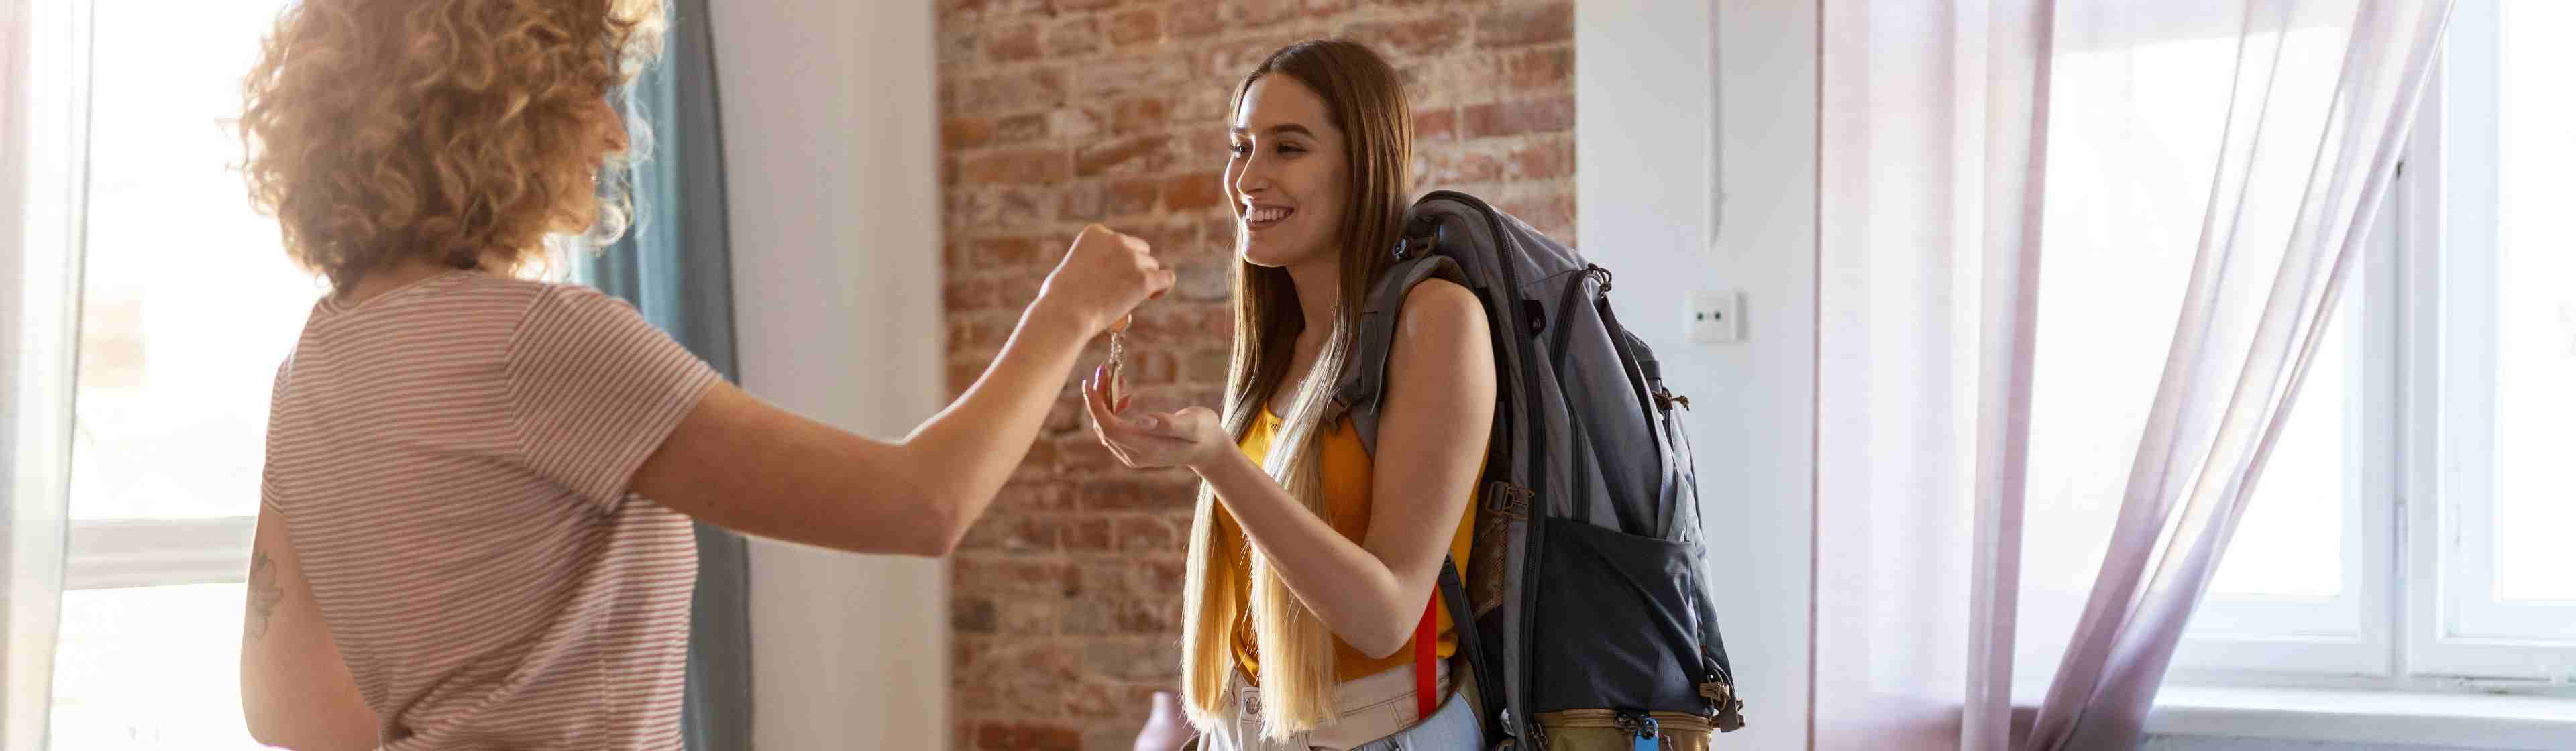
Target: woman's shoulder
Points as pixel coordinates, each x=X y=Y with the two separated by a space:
x=1442 y=310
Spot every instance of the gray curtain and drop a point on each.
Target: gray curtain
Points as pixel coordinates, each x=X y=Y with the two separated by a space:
x=674 y=265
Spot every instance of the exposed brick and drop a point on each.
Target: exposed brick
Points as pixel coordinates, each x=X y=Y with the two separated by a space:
x=965 y=132
x=1541 y=159
x=1025 y=208
x=1004 y=578
x=1027 y=167
x=1141 y=114
x=1072 y=122
x=1008 y=252
x=1328 y=8
x=1545 y=69
x=1552 y=213
x=1086 y=617
x=1457 y=167
x=1124 y=75
x=1135 y=26
x=1132 y=196
x=1073 y=37
x=1256 y=13
x=1193 y=18
x=1028 y=737
x=974 y=615
x=1148 y=615
x=1021 y=128
x=1093 y=160
x=1526 y=24
x=1090 y=534
x=1146 y=533
x=1207 y=365
x=1434 y=126
x=1194 y=192
x=1028 y=617
x=1011 y=44
x=1183 y=323
x=956 y=47
x=1204 y=280
x=1129 y=495
x=1094 y=700
x=1131 y=662
x=1169 y=240
x=1012 y=90
x=1412 y=38
x=1514 y=117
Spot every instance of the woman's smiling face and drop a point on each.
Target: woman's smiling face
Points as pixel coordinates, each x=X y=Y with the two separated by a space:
x=1287 y=175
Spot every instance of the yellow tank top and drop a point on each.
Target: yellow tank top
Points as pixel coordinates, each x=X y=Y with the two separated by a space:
x=1346 y=475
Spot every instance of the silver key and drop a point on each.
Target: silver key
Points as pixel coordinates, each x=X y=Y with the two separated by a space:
x=1117 y=365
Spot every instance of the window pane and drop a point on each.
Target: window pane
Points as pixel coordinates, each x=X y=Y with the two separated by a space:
x=150 y=668
x=2290 y=543
x=188 y=304
x=2535 y=515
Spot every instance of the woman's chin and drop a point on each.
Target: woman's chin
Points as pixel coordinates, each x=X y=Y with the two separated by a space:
x=1272 y=253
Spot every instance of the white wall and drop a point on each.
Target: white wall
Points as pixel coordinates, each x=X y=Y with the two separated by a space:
x=1673 y=99
x=830 y=140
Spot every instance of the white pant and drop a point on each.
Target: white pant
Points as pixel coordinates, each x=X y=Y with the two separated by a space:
x=1371 y=708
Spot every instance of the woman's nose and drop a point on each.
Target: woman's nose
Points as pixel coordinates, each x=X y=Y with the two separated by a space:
x=614 y=127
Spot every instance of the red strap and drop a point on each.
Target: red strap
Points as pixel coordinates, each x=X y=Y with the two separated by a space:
x=1426 y=650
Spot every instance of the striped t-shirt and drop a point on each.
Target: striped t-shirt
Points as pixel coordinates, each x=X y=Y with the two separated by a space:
x=451 y=459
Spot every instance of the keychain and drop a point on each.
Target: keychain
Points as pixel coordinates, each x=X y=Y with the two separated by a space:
x=1117 y=365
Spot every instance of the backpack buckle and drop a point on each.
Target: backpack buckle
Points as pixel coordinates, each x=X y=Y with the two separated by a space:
x=1507 y=499
x=1730 y=710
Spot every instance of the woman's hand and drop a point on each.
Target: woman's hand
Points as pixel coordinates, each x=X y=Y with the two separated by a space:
x=1190 y=438
x=1101 y=279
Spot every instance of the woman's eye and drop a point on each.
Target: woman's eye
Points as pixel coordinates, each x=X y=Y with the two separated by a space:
x=1239 y=149
x=1290 y=148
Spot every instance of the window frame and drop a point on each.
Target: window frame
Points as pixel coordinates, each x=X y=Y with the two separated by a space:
x=2426 y=540
x=118 y=553
x=2451 y=627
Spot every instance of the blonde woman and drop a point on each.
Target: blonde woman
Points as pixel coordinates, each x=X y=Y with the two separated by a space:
x=474 y=520
x=1311 y=561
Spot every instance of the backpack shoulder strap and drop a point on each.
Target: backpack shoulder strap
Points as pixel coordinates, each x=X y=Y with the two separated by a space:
x=1363 y=382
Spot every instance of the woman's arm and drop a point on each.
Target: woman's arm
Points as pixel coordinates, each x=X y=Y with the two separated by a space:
x=1439 y=407
x=296 y=691
x=740 y=463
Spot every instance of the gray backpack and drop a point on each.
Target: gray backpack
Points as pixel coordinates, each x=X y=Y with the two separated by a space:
x=1584 y=582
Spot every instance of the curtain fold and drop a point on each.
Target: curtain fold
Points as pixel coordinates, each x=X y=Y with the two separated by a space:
x=43 y=105
x=2031 y=461
x=675 y=265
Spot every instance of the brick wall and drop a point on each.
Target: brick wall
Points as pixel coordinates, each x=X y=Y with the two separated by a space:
x=1065 y=600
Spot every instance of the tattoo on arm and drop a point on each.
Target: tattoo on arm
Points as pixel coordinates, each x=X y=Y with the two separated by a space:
x=264 y=594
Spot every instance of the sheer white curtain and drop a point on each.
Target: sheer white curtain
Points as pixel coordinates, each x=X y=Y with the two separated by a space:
x=39 y=166
x=2075 y=257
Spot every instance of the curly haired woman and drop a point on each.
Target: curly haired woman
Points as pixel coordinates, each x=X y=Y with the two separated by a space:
x=474 y=520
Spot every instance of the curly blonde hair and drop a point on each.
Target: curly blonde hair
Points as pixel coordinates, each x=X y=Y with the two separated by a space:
x=463 y=132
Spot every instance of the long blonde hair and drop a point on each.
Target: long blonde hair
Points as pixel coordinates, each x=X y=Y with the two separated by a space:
x=1295 y=647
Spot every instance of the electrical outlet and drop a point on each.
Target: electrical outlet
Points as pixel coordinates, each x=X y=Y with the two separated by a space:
x=1715 y=317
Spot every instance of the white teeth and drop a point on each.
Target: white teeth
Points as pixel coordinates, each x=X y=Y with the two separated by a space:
x=1266 y=214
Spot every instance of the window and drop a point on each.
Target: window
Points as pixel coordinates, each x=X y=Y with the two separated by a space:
x=2413 y=528
x=188 y=305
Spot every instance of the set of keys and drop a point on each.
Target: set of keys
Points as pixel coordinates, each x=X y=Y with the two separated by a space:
x=1117 y=364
